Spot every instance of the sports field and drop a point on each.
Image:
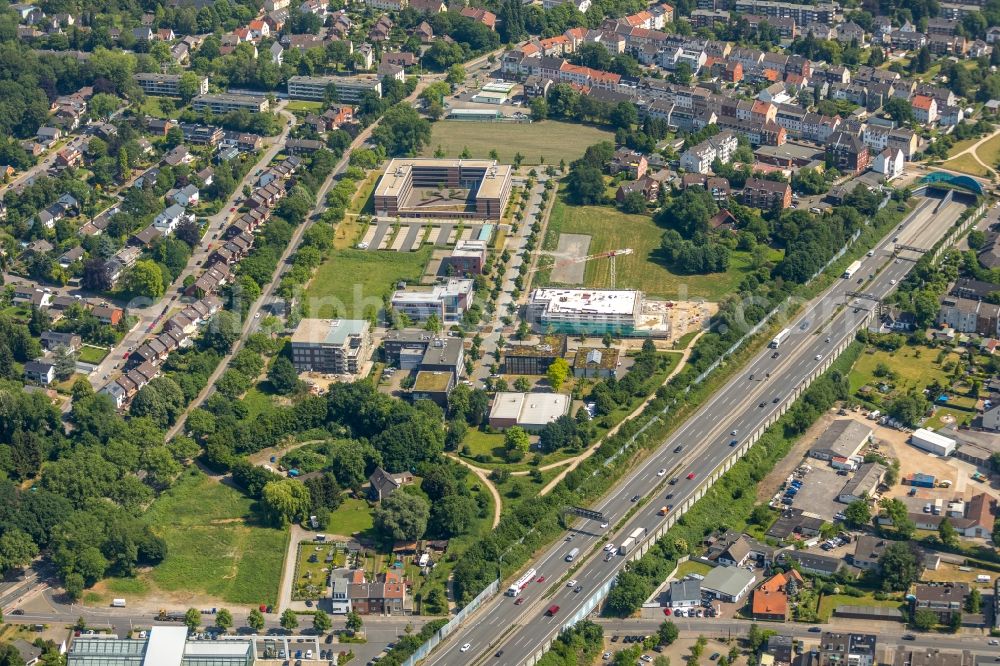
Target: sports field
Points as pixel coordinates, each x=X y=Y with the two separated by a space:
x=550 y=140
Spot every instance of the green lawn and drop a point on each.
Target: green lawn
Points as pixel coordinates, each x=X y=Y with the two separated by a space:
x=548 y=139
x=351 y=517
x=91 y=354
x=216 y=544
x=349 y=281
x=966 y=164
x=257 y=402
x=830 y=601
x=610 y=229
x=483 y=443
x=151 y=107
x=691 y=567
x=303 y=105
x=989 y=152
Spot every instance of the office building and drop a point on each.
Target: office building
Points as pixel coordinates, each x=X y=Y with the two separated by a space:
x=338 y=346
x=467 y=258
x=585 y=311
x=433 y=188
x=531 y=411
x=348 y=89
x=225 y=103
x=166 y=84
x=448 y=302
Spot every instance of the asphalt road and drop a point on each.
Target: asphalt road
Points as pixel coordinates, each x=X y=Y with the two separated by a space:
x=756 y=397
x=891 y=636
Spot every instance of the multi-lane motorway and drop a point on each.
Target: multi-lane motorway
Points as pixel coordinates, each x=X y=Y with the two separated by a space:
x=765 y=388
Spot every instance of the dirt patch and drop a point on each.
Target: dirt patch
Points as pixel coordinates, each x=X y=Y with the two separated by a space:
x=571 y=247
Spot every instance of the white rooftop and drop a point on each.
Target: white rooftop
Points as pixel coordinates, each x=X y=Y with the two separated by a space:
x=609 y=302
x=531 y=409
x=933 y=437
x=165 y=646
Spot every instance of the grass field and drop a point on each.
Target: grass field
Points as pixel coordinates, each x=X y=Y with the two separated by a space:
x=966 y=164
x=349 y=281
x=610 y=229
x=691 y=567
x=349 y=230
x=91 y=354
x=303 y=105
x=151 y=107
x=257 y=402
x=989 y=152
x=548 y=139
x=215 y=543
x=830 y=601
x=351 y=517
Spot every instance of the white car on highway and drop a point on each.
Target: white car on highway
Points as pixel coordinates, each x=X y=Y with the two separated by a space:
x=663 y=470
x=465 y=648
x=571 y=582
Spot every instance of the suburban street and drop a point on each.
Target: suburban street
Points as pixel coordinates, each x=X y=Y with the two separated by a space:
x=765 y=388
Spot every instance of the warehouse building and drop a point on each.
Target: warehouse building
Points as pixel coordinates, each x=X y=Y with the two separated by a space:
x=863 y=484
x=531 y=411
x=436 y=188
x=730 y=584
x=843 y=439
x=226 y=103
x=338 y=346
x=930 y=441
x=346 y=89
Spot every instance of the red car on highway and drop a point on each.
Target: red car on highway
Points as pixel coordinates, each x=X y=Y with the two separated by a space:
x=690 y=476
x=540 y=579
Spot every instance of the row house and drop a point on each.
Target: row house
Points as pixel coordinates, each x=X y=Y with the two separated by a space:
x=925 y=109
x=966 y=315
x=947 y=45
x=248 y=222
x=943 y=96
x=768 y=133
x=803 y=14
x=266 y=197
x=719 y=188
x=941 y=26
x=709 y=18
x=234 y=249
x=766 y=194
x=847 y=153
x=211 y=281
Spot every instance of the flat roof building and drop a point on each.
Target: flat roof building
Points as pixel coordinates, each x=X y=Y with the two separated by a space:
x=863 y=484
x=729 y=584
x=590 y=311
x=928 y=440
x=165 y=646
x=166 y=84
x=434 y=188
x=838 y=649
x=467 y=258
x=347 y=89
x=226 y=103
x=531 y=411
x=339 y=346
x=448 y=302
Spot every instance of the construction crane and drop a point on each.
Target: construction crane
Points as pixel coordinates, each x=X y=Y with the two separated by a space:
x=579 y=260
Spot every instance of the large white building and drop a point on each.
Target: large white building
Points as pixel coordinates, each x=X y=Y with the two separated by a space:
x=448 y=302
x=166 y=84
x=164 y=646
x=590 y=311
x=348 y=89
x=928 y=440
x=531 y=411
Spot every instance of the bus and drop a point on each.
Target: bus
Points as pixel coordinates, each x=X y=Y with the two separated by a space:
x=779 y=338
x=521 y=583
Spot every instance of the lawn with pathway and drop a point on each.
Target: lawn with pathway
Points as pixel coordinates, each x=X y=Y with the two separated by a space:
x=549 y=139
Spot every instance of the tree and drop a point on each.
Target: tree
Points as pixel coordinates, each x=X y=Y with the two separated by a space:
x=289 y=620
x=585 y=184
x=899 y=110
x=192 y=619
x=974 y=602
x=522 y=384
x=402 y=517
x=924 y=619
x=283 y=376
x=898 y=567
x=667 y=633
x=321 y=622
x=947 y=533
x=456 y=74
x=224 y=620
x=17 y=549
x=144 y=279
x=557 y=373
x=354 y=622
x=189 y=86
x=255 y=620
x=858 y=513
x=453 y=515
x=516 y=443
x=402 y=131
x=286 y=500
x=628 y=594
x=222 y=332
x=634 y=203
x=895 y=510
x=65 y=364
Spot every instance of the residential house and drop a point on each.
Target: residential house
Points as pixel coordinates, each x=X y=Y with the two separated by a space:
x=847 y=153
x=770 y=599
x=942 y=599
x=40 y=372
x=384 y=596
x=382 y=484
x=890 y=163
x=766 y=194
x=925 y=109
x=868 y=550
x=836 y=649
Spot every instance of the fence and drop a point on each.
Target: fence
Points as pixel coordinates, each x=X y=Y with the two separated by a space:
x=453 y=624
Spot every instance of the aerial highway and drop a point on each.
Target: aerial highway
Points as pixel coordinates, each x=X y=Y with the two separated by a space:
x=505 y=632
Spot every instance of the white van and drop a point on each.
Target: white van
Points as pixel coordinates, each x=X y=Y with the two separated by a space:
x=118 y=603
x=982 y=578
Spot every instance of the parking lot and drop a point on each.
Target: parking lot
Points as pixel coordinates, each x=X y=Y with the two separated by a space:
x=820 y=487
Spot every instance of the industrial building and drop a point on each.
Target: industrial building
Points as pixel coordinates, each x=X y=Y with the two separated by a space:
x=441 y=188
x=843 y=439
x=347 y=89
x=730 y=584
x=338 y=346
x=226 y=103
x=586 y=311
x=164 y=646
x=531 y=411
x=863 y=484
x=930 y=441
x=448 y=302
x=166 y=84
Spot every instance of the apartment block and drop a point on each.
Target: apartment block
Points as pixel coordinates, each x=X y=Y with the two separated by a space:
x=347 y=89
x=166 y=84
x=225 y=103
x=338 y=346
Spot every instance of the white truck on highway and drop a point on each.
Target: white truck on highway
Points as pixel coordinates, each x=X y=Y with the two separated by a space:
x=519 y=584
x=779 y=338
x=633 y=538
x=851 y=270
